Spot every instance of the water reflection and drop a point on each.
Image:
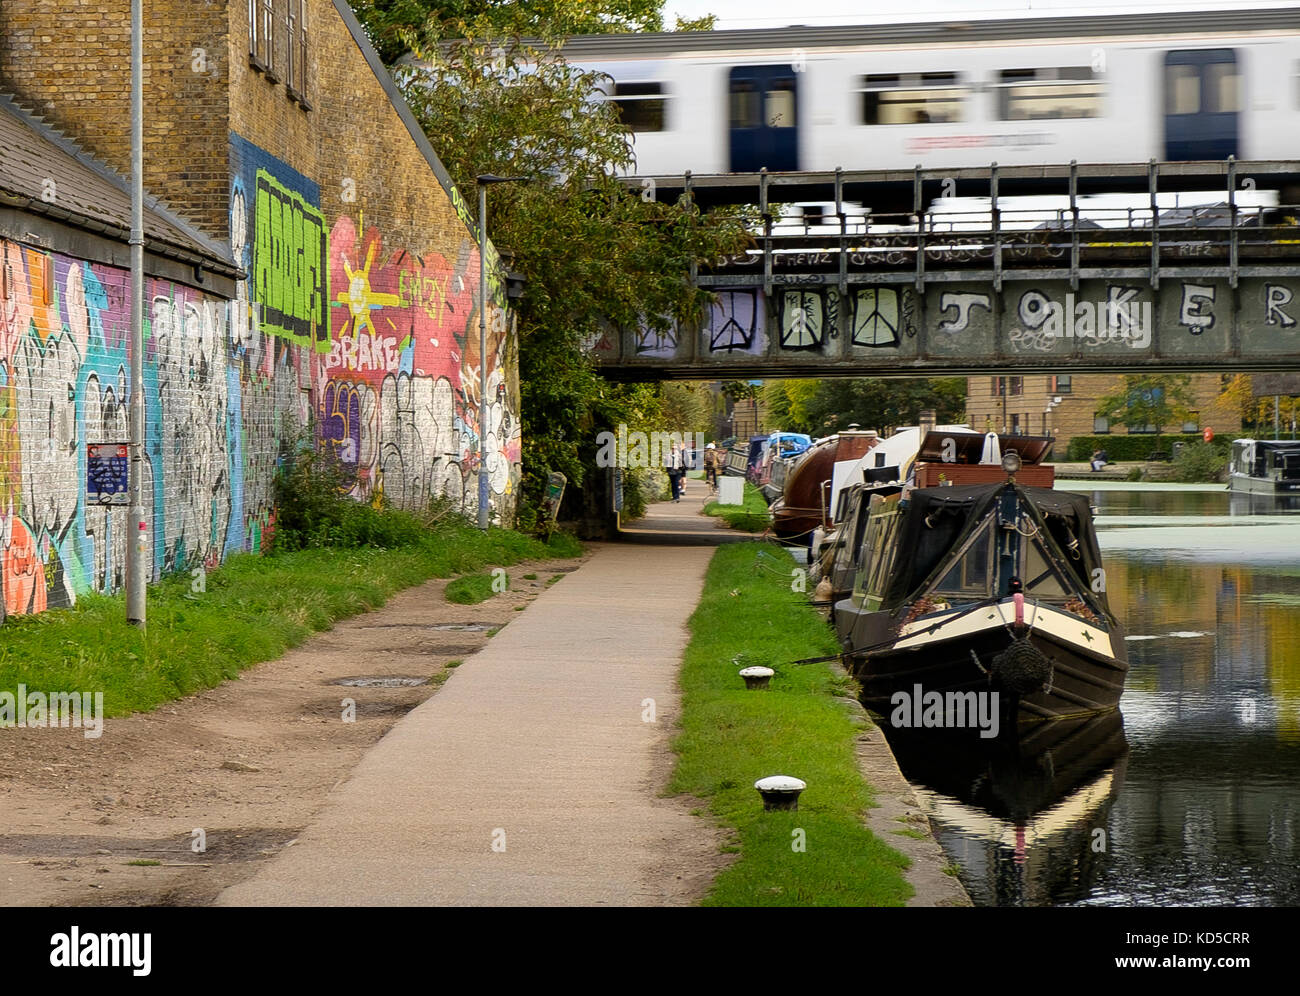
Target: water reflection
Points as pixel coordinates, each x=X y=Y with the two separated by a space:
x=1024 y=816
x=1198 y=786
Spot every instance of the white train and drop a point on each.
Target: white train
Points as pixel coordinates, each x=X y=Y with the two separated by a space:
x=1103 y=89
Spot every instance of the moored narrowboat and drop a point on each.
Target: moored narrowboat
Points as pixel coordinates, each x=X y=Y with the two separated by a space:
x=988 y=581
x=1265 y=466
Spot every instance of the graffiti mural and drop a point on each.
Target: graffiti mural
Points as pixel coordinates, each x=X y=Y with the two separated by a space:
x=807 y=318
x=290 y=271
x=336 y=331
x=373 y=346
x=399 y=401
x=63 y=384
x=734 y=322
x=876 y=315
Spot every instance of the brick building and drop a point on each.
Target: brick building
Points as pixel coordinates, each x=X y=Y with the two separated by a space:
x=1029 y=404
x=309 y=263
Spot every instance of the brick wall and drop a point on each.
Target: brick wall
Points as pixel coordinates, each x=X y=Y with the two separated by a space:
x=73 y=69
x=359 y=315
x=1074 y=415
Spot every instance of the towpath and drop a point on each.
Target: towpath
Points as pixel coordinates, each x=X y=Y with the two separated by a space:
x=534 y=776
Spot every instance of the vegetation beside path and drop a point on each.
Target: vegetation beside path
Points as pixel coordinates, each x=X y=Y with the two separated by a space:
x=336 y=558
x=752 y=516
x=731 y=737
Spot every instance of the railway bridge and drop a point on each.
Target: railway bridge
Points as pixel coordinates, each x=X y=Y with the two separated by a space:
x=995 y=287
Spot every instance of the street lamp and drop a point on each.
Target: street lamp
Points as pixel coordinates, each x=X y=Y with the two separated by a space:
x=483 y=181
x=137 y=540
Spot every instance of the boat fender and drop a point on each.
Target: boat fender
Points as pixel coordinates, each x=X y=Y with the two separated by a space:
x=1022 y=668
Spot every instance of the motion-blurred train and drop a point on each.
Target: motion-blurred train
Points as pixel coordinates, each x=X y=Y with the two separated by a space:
x=1102 y=89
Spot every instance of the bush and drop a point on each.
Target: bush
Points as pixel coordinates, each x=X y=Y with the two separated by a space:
x=641 y=486
x=1200 y=462
x=1136 y=474
x=1135 y=446
x=313 y=510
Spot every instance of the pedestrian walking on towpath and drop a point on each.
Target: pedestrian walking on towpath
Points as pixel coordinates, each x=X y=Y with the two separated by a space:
x=675 y=463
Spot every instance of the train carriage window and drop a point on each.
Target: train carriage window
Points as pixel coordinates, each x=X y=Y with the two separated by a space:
x=1222 y=88
x=780 y=104
x=917 y=98
x=641 y=106
x=1042 y=94
x=744 y=104
x=1182 y=89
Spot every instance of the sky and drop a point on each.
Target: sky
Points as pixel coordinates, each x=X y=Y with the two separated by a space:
x=779 y=13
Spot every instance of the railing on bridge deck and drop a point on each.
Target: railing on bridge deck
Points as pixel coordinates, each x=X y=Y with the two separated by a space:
x=859 y=292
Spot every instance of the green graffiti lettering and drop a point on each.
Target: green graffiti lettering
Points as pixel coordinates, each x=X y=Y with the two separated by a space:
x=290 y=275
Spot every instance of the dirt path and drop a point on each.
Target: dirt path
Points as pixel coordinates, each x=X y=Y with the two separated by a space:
x=249 y=763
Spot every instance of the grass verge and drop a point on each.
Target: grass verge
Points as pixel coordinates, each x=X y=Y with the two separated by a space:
x=751 y=517
x=731 y=737
x=251 y=609
x=472 y=589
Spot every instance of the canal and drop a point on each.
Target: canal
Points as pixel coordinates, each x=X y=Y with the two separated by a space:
x=1190 y=795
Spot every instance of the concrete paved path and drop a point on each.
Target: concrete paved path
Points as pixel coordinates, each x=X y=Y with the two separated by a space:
x=531 y=778
x=681 y=524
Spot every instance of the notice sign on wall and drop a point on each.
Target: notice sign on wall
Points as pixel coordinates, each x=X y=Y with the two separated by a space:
x=108 y=474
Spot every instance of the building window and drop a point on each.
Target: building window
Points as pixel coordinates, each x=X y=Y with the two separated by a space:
x=1017 y=386
x=291 y=60
x=1059 y=384
x=261 y=37
x=1193 y=423
x=296 y=32
x=1143 y=430
x=999 y=387
x=1016 y=427
x=641 y=106
x=1100 y=425
x=915 y=98
x=1044 y=94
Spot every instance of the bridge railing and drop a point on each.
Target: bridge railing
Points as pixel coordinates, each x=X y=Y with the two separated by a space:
x=993 y=284
x=866 y=247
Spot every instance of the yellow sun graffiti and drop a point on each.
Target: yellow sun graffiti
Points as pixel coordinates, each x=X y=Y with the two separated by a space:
x=359 y=297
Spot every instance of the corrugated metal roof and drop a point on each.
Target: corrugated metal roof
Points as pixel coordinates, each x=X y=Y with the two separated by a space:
x=88 y=194
x=946 y=32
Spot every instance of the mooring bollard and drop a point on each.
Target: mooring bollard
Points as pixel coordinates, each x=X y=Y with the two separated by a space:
x=757 y=676
x=780 y=791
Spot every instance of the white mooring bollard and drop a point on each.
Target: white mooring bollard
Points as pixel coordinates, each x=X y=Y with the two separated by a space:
x=780 y=791
x=756 y=677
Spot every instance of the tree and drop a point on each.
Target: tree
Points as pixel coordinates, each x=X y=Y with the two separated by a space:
x=1143 y=401
x=594 y=256
x=685 y=407
x=821 y=407
x=394 y=25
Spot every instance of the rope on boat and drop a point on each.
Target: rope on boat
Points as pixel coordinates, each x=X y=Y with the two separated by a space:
x=857 y=651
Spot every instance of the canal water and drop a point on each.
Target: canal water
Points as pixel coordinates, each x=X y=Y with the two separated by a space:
x=1190 y=794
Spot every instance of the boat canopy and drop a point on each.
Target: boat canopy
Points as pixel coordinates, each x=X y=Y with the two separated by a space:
x=939 y=522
